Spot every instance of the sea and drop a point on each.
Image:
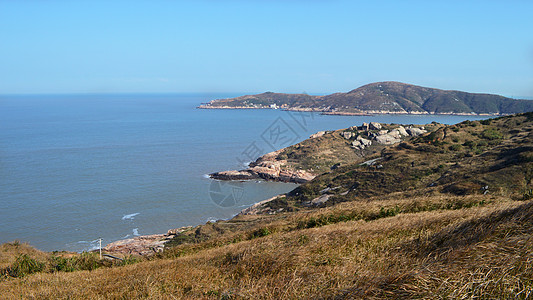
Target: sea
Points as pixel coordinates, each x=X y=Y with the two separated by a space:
x=78 y=168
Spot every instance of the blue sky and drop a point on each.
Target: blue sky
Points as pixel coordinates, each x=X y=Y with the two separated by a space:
x=256 y=46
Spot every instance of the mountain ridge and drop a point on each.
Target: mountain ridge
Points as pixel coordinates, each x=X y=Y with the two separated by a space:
x=388 y=97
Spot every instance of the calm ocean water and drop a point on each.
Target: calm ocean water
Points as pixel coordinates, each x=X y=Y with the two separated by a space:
x=74 y=168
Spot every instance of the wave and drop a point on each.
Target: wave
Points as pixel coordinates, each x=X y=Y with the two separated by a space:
x=88 y=245
x=130 y=216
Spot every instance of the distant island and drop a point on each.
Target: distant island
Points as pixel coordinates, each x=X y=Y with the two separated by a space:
x=381 y=98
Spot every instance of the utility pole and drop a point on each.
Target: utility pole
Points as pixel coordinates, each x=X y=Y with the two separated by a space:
x=100 y=242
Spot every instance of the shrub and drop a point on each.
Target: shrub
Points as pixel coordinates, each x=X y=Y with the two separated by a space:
x=528 y=194
x=491 y=134
x=58 y=263
x=261 y=232
x=469 y=144
x=455 y=147
x=129 y=260
x=24 y=265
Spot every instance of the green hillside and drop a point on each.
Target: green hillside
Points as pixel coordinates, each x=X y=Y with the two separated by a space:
x=384 y=97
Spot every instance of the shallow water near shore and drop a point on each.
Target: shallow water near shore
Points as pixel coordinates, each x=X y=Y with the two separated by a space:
x=74 y=168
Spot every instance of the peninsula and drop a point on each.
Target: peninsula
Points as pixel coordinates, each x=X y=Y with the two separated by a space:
x=381 y=98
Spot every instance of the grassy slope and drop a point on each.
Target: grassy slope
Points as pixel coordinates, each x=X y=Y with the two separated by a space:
x=459 y=159
x=381 y=240
x=319 y=155
x=481 y=250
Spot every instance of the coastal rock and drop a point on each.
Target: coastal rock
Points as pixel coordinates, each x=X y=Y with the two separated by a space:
x=402 y=131
x=347 y=134
x=374 y=126
x=321 y=199
x=316 y=135
x=140 y=245
x=387 y=139
x=415 y=131
x=365 y=142
x=267 y=167
x=176 y=231
x=395 y=133
x=233 y=175
x=358 y=145
x=361 y=143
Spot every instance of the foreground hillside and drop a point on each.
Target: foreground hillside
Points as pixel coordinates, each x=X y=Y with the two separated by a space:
x=383 y=97
x=464 y=247
x=446 y=214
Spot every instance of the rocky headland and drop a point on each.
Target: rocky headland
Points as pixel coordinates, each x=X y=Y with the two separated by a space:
x=381 y=98
x=286 y=165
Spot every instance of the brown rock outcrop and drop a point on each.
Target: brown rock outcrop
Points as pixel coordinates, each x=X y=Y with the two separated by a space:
x=144 y=244
x=267 y=167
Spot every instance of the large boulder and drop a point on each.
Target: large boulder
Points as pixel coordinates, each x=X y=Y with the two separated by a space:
x=347 y=134
x=375 y=126
x=364 y=141
x=402 y=131
x=358 y=145
x=387 y=139
x=395 y=133
x=361 y=143
x=316 y=135
x=413 y=131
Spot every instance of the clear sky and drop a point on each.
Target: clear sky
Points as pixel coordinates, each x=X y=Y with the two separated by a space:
x=49 y=46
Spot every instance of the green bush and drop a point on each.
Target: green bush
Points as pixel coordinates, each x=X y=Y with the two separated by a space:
x=455 y=147
x=389 y=212
x=528 y=194
x=261 y=232
x=469 y=144
x=491 y=134
x=24 y=265
x=129 y=260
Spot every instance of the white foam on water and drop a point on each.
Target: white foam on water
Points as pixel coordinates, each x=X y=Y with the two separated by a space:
x=88 y=245
x=206 y=176
x=136 y=231
x=130 y=216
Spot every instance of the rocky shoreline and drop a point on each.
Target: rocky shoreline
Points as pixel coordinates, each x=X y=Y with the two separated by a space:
x=271 y=168
x=143 y=245
x=348 y=113
x=267 y=167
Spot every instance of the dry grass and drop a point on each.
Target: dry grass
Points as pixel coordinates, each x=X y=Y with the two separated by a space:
x=480 y=251
x=10 y=251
